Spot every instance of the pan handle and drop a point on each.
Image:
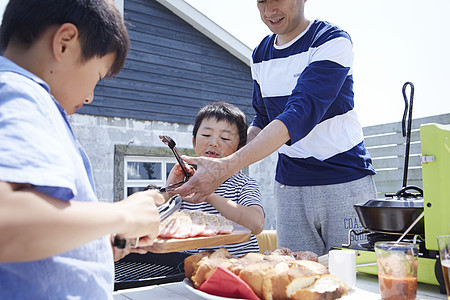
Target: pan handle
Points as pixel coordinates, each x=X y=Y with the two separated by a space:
x=407 y=131
x=405 y=112
x=403 y=192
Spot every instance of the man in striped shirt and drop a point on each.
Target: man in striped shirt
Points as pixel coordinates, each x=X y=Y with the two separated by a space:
x=303 y=99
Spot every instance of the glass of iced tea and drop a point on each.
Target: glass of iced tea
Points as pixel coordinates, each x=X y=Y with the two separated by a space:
x=397 y=270
x=444 y=253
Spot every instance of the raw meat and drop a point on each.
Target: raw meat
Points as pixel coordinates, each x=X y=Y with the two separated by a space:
x=186 y=223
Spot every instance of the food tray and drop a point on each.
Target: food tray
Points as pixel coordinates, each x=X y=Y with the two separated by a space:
x=240 y=234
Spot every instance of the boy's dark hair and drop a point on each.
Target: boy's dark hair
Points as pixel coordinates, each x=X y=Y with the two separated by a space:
x=223 y=111
x=100 y=25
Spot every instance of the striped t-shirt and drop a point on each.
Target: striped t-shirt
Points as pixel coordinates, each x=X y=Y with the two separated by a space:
x=241 y=189
x=308 y=85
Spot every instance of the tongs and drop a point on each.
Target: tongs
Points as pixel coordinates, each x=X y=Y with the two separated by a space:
x=165 y=211
x=168 y=208
x=171 y=143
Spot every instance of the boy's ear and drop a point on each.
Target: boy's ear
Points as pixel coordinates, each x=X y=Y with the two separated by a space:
x=193 y=141
x=65 y=37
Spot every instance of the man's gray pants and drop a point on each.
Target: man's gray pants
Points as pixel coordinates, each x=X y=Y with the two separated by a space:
x=318 y=218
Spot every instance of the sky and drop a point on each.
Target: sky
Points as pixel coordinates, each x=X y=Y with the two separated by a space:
x=394 y=41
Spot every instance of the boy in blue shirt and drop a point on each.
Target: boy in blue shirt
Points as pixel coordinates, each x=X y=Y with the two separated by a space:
x=56 y=232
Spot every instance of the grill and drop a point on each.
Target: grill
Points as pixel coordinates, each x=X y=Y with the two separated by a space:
x=136 y=270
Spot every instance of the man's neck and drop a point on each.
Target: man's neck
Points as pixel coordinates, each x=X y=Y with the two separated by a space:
x=286 y=38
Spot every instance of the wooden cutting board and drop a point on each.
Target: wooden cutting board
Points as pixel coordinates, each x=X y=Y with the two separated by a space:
x=239 y=234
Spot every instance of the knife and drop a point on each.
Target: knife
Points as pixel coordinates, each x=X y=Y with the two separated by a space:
x=165 y=211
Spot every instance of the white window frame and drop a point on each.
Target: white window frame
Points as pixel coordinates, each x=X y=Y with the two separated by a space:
x=144 y=153
x=129 y=183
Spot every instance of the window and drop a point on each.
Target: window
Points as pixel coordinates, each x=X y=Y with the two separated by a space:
x=141 y=171
x=135 y=167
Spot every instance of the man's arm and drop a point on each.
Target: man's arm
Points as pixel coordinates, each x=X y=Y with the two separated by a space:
x=211 y=173
x=252 y=132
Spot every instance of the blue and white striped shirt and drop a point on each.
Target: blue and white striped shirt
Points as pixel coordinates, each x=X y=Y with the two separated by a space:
x=308 y=85
x=241 y=189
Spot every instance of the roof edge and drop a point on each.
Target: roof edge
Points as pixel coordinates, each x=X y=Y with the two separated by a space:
x=206 y=26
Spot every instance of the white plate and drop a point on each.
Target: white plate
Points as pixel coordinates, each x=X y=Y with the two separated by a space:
x=188 y=284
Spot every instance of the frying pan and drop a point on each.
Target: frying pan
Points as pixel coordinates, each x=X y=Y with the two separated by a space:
x=393 y=215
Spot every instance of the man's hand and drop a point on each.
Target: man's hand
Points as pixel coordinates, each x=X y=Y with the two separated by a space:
x=210 y=174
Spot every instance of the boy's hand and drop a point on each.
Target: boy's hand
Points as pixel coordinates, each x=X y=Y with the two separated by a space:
x=177 y=175
x=141 y=216
x=121 y=253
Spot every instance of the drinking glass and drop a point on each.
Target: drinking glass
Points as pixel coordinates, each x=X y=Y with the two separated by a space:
x=444 y=253
x=397 y=270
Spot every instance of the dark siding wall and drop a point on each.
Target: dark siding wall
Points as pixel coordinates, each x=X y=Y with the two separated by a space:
x=172 y=70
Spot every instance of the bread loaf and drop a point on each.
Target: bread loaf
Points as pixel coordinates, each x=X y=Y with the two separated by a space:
x=206 y=265
x=297 y=255
x=277 y=279
x=190 y=262
x=254 y=274
x=325 y=287
x=273 y=276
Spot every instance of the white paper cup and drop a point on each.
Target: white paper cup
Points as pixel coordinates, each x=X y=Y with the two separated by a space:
x=342 y=264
